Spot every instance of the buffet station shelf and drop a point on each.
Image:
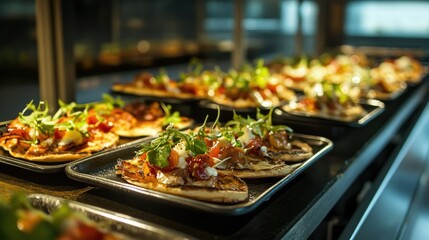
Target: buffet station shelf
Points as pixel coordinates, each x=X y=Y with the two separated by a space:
x=293 y=211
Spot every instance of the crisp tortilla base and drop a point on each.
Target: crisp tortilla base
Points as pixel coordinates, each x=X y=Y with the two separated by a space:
x=295 y=155
x=50 y=158
x=150 y=128
x=280 y=171
x=103 y=141
x=302 y=152
x=199 y=193
x=138 y=131
x=260 y=169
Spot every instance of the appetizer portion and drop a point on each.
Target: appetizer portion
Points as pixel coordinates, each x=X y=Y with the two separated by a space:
x=250 y=148
x=19 y=220
x=137 y=119
x=252 y=86
x=206 y=163
x=292 y=72
x=400 y=69
x=327 y=100
x=392 y=75
x=36 y=135
x=147 y=84
x=383 y=80
x=180 y=163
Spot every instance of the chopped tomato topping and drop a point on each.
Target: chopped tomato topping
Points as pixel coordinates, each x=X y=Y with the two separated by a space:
x=221 y=90
x=254 y=146
x=143 y=156
x=105 y=126
x=272 y=87
x=173 y=160
x=96 y=122
x=92 y=119
x=197 y=166
x=214 y=151
x=18 y=131
x=209 y=143
x=59 y=134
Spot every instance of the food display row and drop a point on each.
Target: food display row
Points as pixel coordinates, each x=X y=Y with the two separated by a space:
x=229 y=158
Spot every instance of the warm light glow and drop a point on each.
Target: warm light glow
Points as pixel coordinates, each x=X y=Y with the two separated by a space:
x=143 y=46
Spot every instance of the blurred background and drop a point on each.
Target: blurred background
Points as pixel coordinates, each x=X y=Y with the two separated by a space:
x=112 y=36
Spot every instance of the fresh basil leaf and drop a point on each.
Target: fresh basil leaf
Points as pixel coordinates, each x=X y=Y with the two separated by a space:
x=200 y=147
x=159 y=156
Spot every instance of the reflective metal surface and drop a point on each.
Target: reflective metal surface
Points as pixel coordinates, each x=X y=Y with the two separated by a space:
x=126 y=227
x=100 y=171
x=386 y=214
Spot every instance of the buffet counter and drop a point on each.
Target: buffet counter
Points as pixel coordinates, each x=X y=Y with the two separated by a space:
x=293 y=212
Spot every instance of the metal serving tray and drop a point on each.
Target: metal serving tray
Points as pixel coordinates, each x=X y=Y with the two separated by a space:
x=372 y=106
x=125 y=226
x=53 y=167
x=99 y=170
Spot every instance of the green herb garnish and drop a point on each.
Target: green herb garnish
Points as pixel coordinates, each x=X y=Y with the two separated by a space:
x=169 y=117
x=260 y=127
x=159 y=149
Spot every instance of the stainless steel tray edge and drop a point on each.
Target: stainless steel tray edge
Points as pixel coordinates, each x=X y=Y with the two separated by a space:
x=74 y=171
x=377 y=105
x=113 y=221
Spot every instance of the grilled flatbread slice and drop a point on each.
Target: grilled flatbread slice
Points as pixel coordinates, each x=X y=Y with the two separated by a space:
x=259 y=169
x=297 y=152
x=148 y=128
x=138 y=119
x=220 y=188
x=62 y=137
x=179 y=163
x=19 y=147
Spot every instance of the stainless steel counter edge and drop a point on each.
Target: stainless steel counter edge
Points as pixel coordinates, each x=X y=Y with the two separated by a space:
x=303 y=228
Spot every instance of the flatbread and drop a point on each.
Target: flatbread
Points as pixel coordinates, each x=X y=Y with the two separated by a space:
x=263 y=169
x=220 y=189
x=148 y=128
x=299 y=152
x=99 y=142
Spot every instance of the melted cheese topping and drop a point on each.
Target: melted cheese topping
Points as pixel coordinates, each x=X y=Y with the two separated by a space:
x=180 y=148
x=71 y=136
x=211 y=172
x=264 y=151
x=246 y=137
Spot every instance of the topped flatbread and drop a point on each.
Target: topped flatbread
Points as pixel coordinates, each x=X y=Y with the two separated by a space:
x=61 y=137
x=138 y=119
x=250 y=148
x=179 y=163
